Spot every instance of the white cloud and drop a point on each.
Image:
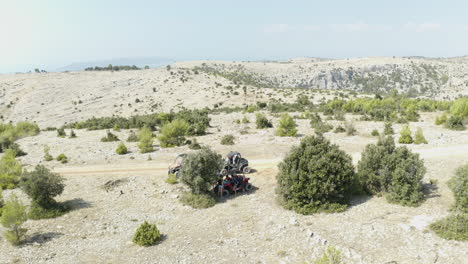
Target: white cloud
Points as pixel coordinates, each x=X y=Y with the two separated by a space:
x=423 y=27
x=360 y=27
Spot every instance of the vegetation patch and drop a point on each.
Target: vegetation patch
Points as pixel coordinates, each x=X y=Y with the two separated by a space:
x=147 y=235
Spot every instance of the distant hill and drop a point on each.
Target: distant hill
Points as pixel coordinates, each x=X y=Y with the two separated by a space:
x=152 y=62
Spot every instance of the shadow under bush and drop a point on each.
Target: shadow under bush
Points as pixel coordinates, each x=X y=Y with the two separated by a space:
x=198 y=201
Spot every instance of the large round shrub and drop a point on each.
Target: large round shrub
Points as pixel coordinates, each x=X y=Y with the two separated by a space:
x=42 y=185
x=200 y=169
x=398 y=172
x=146 y=235
x=315 y=176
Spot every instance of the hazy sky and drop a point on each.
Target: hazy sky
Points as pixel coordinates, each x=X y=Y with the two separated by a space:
x=53 y=33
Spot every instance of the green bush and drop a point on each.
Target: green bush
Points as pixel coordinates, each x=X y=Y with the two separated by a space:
x=388 y=129
x=18 y=151
x=37 y=212
x=419 y=137
x=442 y=119
x=9 y=133
x=173 y=134
x=455 y=123
x=331 y=256
x=116 y=127
x=453 y=227
x=459 y=186
x=146 y=235
x=109 y=137
x=339 y=129
x=13 y=217
x=350 y=129
x=460 y=107
x=145 y=137
x=286 y=127
x=198 y=201
x=227 y=140
x=42 y=185
x=200 y=170
x=132 y=137
x=121 y=149
x=318 y=125
x=2 y=203
x=62 y=158
x=405 y=135
x=171 y=179
x=10 y=170
x=61 y=132
x=396 y=172
x=47 y=156
x=315 y=176
x=262 y=122
x=245 y=120
x=375 y=133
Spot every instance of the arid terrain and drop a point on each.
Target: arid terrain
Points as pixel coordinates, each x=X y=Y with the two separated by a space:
x=247 y=228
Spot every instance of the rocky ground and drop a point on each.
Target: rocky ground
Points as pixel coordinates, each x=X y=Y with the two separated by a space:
x=247 y=228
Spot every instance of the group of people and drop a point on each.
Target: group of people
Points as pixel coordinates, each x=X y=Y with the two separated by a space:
x=235 y=181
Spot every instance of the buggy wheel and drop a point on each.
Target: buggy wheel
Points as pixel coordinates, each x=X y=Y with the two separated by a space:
x=246 y=169
x=176 y=174
x=225 y=193
x=248 y=187
x=224 y=172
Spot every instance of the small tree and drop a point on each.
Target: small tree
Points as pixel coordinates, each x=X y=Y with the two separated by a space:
x=286 y=126
x=10 y=170
x=419 y=137
x=200 y=170
x=42 y=185
x=121 y=149
x=109 y=137
x=262 y=122
x=61 y=132
x=388 y=129
x=173 y=133
x=405 y=135
x=145 y=140
x=315 y=176
x=146 y=235
x=13 y=217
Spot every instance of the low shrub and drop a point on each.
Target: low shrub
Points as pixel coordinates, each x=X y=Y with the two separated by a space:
x=459 y=185
x=315 y=176
x=10 y=170
x=388 y=129
x=375 y=133
x=350 y=129
x=419 y=137
x=37 y=212
x=146 y=235
x=442 y=119
x=47 y=156
x=227 y=140
x=453 y=227
x=198 y=201
x=455 y=123
x=286 y=126
x=405 y=135
x=330 y=256
x=62 y=158
x=245 y=120
x=42 y=185
x=194 y=144
x=109 y=137
x=13 y=216
x=121 y=149
x=72 y=134
x=145 y=137
x=132 y=137
x=171 y=179
x=173 y=134
x=61 y=132
x=262 y=122
x=339 y=129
